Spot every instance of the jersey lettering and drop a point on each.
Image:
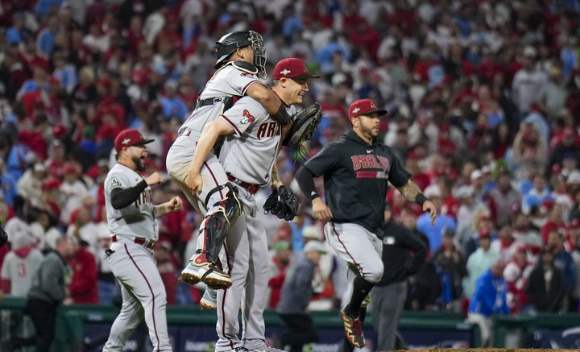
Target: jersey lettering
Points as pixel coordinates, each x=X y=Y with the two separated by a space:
x=370 y=162
x=268 y=129
x=144 y=197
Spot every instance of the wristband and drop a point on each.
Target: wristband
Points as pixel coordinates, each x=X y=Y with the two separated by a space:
x=314 y=195
x=420 y=199
x=282 y=116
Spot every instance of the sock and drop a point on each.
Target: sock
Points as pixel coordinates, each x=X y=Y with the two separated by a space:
x=361 y=289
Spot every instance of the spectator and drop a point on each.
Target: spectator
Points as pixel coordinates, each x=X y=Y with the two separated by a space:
x=296 y=294
x=504 y=198
x=451 y=267
x=516 y=274
x=479 y=262
x=30 y=184
x=19 y=266
x=73 y=192
x=83 y=287
x=562 y=260
x=467 y=216
x=545 y=286
x=505 y=244
x=528 y=81
x=84 y=229
x=442 y=222
x=47 y=292
x=537 y=195
x=278 y=266
x=489 y=299
x=167 y=269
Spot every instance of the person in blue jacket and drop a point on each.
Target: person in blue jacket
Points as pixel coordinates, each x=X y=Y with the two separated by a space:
x=489 y=299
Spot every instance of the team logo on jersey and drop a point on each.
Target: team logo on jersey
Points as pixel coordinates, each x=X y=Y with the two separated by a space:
x=285 y=72
x=115 y=183
x=247 y=117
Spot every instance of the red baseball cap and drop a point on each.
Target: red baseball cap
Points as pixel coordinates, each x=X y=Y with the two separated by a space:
x=484 y=232
x=130 y=138
x=292 y=67
x=364 y=107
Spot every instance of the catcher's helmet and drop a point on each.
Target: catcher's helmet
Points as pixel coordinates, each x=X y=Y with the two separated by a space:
x=228 y=44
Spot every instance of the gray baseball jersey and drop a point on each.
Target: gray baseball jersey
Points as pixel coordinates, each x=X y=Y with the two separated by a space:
x=227 y=81
x=138 y=219
x=248 y=155
x=250 y=152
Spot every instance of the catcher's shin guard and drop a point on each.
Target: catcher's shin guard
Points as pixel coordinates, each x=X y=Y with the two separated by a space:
x=216 y=224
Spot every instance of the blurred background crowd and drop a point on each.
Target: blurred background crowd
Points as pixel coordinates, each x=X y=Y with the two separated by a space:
x=484 y=109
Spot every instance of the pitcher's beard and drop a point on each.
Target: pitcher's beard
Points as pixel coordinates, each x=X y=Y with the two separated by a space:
x=139 y=164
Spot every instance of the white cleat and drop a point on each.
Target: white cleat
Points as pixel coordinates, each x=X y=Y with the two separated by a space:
x=209 y=299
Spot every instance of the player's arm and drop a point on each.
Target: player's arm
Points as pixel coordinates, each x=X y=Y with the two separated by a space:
x=211 y=132
x=271 y=102
x=123 y=197
x=175 y=204
x=413 y=194
x=305 y=179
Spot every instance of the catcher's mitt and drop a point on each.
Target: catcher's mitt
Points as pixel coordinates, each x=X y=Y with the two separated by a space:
x=3 y=236
x=283 y=203
x=304 y=123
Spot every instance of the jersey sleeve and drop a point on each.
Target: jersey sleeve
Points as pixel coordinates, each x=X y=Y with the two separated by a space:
x=323 y=162
x=246 y=113
x=117 y=180
x=240 y=81
x=398 y=175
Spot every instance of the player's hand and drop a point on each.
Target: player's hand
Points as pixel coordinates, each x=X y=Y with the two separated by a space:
x=321 y=211
x=154 y=179
x=194 y=182
x=68 y=301
x=175 y=204
x=430 y=207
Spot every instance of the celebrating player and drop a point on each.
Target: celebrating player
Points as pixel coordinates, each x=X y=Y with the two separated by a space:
x=248 y=156
x=357 y=170
x=240 y=61
x=132 y=221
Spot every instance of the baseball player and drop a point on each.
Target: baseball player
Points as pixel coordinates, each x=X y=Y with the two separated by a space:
x=248 y=156
x=240 y=64
x=132 y=220
x=357 y=170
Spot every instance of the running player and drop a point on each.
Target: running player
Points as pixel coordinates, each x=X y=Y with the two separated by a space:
x=357 y=170
x=240 y=63
x=132 y=220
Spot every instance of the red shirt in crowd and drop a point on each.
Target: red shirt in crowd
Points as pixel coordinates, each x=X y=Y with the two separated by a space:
x=83 y=287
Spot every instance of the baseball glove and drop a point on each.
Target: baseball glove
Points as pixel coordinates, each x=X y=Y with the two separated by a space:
x=304 y=123
x=3 y=236
x=283 y=203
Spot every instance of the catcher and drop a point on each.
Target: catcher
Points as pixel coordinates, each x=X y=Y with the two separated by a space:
x=248 y=157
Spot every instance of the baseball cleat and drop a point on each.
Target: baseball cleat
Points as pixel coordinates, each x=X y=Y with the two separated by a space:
x=207 y=273
x=209 y=300
x=353 y=330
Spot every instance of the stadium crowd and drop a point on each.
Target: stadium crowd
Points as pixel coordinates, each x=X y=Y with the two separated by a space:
x=484 y=109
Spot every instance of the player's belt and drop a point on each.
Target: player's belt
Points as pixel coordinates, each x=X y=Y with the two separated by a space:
x=140 y=240
x=247 y=186
x=228 y=102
